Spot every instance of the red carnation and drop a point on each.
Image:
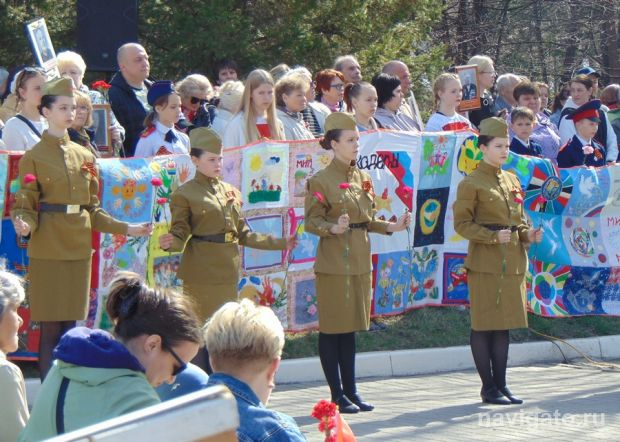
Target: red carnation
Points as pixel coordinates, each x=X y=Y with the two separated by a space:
x=323 y=409
x=162 y=201
x=29 y=178
x=541 y=200
x=101 y=84
x=156 y=182
x=344 y=186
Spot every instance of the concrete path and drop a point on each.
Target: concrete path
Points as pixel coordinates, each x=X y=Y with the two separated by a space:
x=563 y=403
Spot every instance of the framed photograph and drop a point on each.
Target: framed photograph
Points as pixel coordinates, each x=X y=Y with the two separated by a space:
x=41 y=44
x=101 y=127
x=471 y=91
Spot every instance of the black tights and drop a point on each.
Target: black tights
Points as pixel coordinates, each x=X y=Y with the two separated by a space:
x=202 y=360
x=51 y=332
x=490 y=351
x=337 y=353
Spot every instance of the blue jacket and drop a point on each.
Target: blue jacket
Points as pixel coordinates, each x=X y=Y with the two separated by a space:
x=256 y=422
x=533 y=150
x=101 y=380
x=129 y=111
x=571 y=154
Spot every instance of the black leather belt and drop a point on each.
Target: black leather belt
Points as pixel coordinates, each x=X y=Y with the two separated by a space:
x=221 y=238
x=358 y=225
x=496 y=227
x=61 y=208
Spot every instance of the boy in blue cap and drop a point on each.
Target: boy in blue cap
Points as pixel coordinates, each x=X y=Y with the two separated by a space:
x=160 y=137
x=582 y=149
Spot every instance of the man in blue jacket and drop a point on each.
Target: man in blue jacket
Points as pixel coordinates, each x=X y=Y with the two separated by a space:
x=128 y=92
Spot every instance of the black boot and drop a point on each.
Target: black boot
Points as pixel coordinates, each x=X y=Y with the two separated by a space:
x=345 y=406
x=492 y=395
x=511 y=397
x=357 y=400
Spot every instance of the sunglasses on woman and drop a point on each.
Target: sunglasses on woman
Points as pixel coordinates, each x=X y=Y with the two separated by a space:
x=196 y=100
x=182 y=365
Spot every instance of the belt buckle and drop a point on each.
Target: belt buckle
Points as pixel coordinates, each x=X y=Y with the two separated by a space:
x=229 y=237
x=73 y=208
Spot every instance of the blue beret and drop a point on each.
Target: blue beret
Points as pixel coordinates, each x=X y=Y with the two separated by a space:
x=159 y=89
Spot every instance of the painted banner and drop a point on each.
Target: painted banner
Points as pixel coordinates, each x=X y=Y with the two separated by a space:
x=574 y=271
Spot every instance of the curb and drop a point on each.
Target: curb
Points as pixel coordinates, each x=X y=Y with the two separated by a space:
x=431 y=360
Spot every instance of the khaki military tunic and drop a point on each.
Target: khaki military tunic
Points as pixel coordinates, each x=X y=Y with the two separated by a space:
x=486 y=200
x=343 y=263
x=60 y=245
x=209 y=270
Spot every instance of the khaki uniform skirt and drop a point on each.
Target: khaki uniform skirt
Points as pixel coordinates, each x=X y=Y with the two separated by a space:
x=208 y=298
x=485 y=312
x=343 y=308
x=58 y=290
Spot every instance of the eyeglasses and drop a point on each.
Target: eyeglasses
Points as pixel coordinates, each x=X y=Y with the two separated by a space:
x=182 y=365
x=196 y=100
x=339 y=86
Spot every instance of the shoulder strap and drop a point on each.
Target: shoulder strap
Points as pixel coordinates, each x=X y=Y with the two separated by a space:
x=29 y=124
x=60 y=406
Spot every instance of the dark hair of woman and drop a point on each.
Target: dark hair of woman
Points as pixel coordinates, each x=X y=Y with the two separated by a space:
x=161 y=101
x=385 y=85
x=137 y=309
x=195 y=152
x=330 y=135
x=485 y=139
x=47 y=101
x=353 y=90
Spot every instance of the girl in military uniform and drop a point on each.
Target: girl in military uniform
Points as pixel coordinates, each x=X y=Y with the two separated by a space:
x=208 y=212
x=489 y=213
x=57 y=206
x=339 y=208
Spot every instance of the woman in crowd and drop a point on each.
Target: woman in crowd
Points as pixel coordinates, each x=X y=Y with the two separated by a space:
x=361 y=99
x=230 y=100
x=98 y=376
x=486 y=80
x=339 y=208
x=558 y=104
x=291 y=100
x=330 y=89
x=489 y=213
x=196 y=92
x=545 y=133
x=257 y=119
x=505 y=86
x=14 y=410
x=245 y=343
x=80 y=131
x=448 y=94
x=543 y=88
x=24 y=130
x=160 y=136
x=389 y=101
x=208 y=212
x=279 y=71
x=315 y=112
x=57 y=206
x=581 y=90
x=72 y=65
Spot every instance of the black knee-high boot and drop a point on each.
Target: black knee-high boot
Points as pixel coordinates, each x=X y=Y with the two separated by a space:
x=480 y=342
x=328 y=353
x=499 y=358
x=346 y=355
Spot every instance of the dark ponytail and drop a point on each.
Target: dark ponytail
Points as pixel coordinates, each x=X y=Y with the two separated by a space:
x=137 y=309
x=330 y=135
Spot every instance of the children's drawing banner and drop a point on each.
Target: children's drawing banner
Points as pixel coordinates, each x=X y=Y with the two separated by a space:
x=574 y=271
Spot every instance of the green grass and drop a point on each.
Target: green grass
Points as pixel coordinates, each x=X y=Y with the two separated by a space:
x=449 y=326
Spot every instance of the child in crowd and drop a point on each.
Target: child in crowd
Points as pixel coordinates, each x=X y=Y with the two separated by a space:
x=361 y=99
x=14 y=409
x=160 y=136
x=582 y=149
x=522 y=122
x=448 y=94
x=257 y=119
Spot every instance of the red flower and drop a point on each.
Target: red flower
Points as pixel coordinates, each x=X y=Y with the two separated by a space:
x=518 y=200
x=101 y=84
x=162 y=201
x=29 y=178
x=344 y=186
x=541 y=200
x=156 y=182
x=319 y=197
x=323 y=409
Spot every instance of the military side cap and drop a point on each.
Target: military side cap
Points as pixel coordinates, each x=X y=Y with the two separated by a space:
x=159 y=89
x=59 y=86
x=588 y=110
x=339 y=120
x=494 y=127
x=205 y=138
x=588 y=71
